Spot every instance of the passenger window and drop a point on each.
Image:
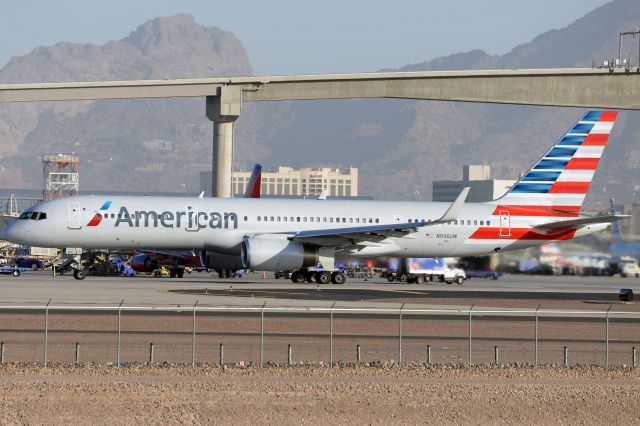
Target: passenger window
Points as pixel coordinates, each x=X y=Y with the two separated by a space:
x=258 y=218
x=357 y=220
x=324 y=219
x=330 y=220
x=350 y=220
x=298 y=218
x=43 y=216
x=377 y=220
x=311 y=219
x=317 y=219
x=468 y=222
x=370 y=220
x=344 y=220
x=488 y=223
x=410 y=220
x=475 y=222
x=264 y=218
x=278 y=218
x=481 y=223
x=285 y=218
x=304 y=219
x=246 y=218
x=271 y=219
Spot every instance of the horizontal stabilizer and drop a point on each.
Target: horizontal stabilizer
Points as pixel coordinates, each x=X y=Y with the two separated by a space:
x=580 y=222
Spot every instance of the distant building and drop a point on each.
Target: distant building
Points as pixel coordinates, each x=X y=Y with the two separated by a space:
x=478 y=178
x=288 y=181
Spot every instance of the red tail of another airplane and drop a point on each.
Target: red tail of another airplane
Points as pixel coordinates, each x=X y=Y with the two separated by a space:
x=255 y=183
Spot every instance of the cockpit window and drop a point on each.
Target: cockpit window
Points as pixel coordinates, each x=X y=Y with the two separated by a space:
x=33 y=216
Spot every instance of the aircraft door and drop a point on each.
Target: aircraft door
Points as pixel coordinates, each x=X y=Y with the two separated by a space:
x=75 y=218
x=505 y=224
x=192 y=218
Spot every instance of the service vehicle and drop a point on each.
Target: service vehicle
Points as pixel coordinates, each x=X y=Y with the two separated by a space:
x=420 y=270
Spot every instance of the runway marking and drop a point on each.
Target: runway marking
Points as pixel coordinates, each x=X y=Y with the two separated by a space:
x=421 y=293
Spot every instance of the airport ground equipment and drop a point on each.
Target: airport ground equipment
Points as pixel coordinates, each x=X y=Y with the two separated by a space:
x=421 y=270
x=16 y=271
x=492 y=275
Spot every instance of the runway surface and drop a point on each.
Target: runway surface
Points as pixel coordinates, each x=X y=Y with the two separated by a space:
x=517 y=291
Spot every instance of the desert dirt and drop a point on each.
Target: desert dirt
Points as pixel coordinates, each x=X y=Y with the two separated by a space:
x=316 y=394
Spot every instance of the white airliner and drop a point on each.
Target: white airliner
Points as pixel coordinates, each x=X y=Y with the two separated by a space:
x=283 y=234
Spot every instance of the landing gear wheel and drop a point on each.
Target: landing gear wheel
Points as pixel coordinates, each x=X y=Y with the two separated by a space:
x=311 y=277
x=221 y=273
x=294 y=276
x=172 y=273
x=15 y=272
x=79 y=274
x=391 y=278
x=323 y=277
x=338 y=278
x=180 y=273
x=459 y=280
x=419 y=279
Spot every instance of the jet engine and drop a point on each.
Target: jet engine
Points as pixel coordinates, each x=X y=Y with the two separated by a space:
x=275 y=253
x=220 y=261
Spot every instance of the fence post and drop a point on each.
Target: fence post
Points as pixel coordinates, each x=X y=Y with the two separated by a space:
x=46 y=331
x=428 y=354
x=566 y=357
x=606 y=342
x=119 y=325
x=262 y=334
x=358 y=354
x=221 y=354
x=289 y=354
x=400 y=337
x=535 y=360
x=331 y=334
x=151 y=353
x=77 y=352
x=633 y=356
x=193 y=338
x=2 y=353
x=496 y=355
x=470 y=312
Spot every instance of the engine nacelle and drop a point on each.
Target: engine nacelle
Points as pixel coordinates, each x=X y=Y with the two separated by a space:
x=219 y=261
x=266 y=253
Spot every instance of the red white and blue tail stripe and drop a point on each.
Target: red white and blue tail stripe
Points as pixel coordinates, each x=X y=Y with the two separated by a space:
x=561 y=178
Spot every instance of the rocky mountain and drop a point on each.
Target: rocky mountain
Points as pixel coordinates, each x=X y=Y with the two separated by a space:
x=400 y=146
x=142 y=145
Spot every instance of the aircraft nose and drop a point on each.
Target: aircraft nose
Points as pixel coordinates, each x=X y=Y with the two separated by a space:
x=10 y=232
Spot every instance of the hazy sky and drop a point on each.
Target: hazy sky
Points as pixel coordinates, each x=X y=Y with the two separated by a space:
x=303 y=36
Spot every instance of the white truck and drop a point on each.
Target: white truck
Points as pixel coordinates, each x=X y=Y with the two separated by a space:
x=421 y=270
x=629 y=267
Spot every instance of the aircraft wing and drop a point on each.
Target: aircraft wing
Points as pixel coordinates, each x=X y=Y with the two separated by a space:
x=580 y=222
x=371 y=235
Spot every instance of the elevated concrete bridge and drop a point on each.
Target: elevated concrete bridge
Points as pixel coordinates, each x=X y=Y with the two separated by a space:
x=616 y=88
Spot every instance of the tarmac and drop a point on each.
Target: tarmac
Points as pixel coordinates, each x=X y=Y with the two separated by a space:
x=510 y=291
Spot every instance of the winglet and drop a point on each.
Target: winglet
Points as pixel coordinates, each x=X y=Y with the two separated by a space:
x=454 y=209
x=201 y=195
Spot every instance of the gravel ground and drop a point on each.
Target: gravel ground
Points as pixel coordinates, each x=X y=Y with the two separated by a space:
x=381 y=393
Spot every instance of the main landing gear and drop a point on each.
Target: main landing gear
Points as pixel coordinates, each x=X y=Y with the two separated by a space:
x=320 y=277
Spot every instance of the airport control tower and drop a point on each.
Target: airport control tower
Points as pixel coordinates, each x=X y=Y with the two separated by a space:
x=61 y=175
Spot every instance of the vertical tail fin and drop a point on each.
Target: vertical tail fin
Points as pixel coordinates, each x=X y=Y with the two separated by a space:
x=561 y=178
x=255 y=183
x=617 y=232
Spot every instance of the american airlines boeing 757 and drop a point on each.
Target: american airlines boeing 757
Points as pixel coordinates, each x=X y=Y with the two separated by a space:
x=283 y=234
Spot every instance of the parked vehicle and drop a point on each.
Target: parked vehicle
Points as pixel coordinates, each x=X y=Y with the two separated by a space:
x=492 y=275
x=629 y=267
x=16 y=271
x=420 y=270
x=29 y=263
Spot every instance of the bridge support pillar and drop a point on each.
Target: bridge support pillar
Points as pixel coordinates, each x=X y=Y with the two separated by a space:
x=223 y=109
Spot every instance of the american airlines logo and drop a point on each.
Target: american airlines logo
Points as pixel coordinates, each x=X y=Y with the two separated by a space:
x=97 y=218
x=189 y=219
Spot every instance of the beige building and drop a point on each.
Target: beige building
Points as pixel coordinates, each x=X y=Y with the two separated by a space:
x=478 y=178
x=287 y=181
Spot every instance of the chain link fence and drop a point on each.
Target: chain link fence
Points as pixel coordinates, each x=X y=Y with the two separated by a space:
x=268 y=334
